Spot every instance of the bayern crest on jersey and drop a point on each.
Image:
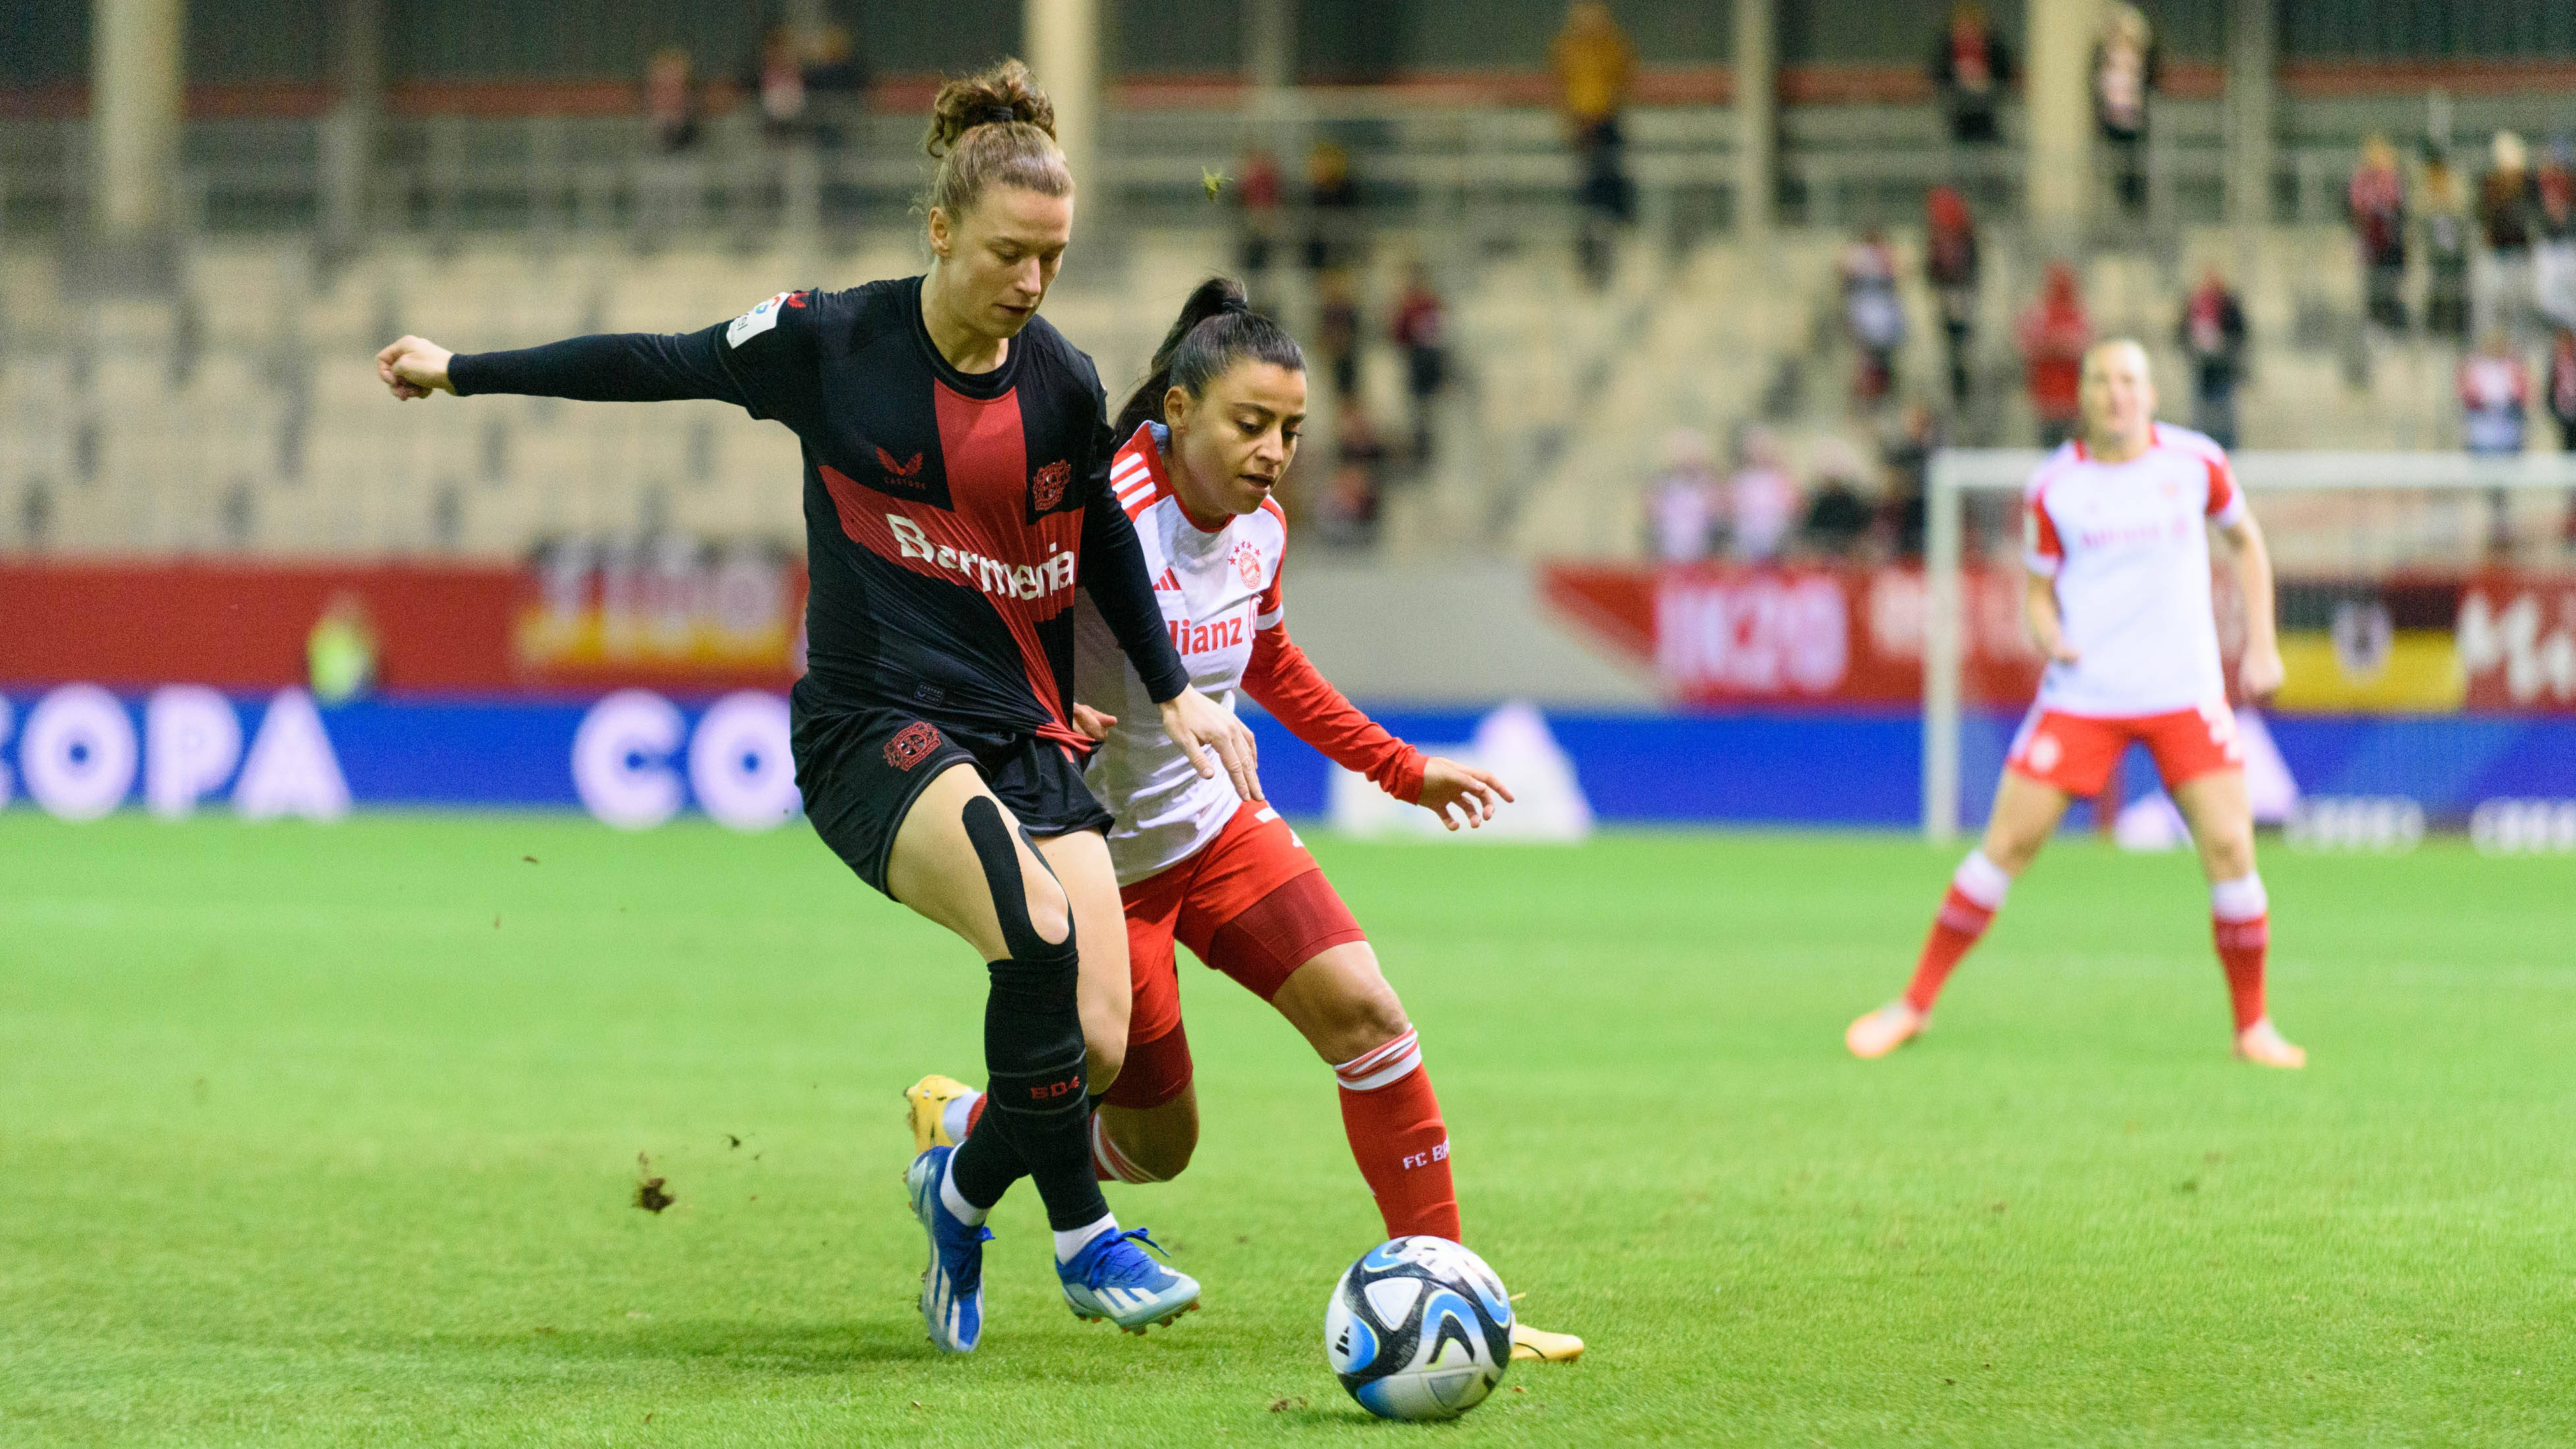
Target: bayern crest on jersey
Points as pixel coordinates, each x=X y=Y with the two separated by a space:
x=1247 y=562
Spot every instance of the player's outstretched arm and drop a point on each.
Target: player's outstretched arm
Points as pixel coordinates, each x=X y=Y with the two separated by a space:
x=609 y=367
x=2039 y=615
x=2260 y=672
x=1281 y=679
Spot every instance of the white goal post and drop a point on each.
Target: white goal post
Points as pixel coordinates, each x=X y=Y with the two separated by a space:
x=1957 y=472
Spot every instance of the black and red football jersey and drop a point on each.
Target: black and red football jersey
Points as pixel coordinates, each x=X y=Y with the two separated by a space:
x=948 y=516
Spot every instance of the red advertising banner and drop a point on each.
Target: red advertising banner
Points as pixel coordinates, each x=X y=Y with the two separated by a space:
x=2491 y=642
x=2517 y=641
x=688 y=620
x=1720 y=634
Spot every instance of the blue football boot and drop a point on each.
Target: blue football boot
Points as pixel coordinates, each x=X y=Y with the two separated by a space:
x=952 y=1287
x=1113 y=1278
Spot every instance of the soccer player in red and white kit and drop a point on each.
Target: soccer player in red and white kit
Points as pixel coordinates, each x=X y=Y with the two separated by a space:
x=2116 y=534
x=1209 y=436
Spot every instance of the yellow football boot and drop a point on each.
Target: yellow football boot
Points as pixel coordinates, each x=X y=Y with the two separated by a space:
x=924 y=1101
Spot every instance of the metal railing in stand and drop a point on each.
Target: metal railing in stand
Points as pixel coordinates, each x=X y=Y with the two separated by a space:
x=1432 y=164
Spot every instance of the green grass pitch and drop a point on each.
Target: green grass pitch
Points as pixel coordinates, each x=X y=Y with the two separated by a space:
x=330 y=1135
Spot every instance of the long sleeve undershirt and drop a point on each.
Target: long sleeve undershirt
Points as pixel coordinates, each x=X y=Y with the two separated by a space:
x=1283 y=681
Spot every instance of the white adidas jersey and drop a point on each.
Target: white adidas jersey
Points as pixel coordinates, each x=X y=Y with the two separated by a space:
x=1217 y=590
x=2128 y=546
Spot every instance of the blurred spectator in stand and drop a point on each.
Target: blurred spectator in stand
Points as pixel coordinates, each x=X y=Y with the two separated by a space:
x=2124 y=74
x=668 y=185
x=836 y=82
x=2495 y=392
x=2505 y=198
x=1420 y=321
x=1909 y=477
x=2553 y=248
x=1257 y=222
x=1761 y=501
x=1971 y=69
x=1950 y=264
x=1683 y=505
x=777 y=84
x=1839 y=515
x=2446 y=252
x=340 y=653
x=36 y=516
x=1333 y=197
x=2562 y=410
x=1350 y=512
x=671 y=99
x=2054 y=334
x=2213 y=340
x=2376 y=201
x=2562 y=389
x=1873 y=314
x=1337 y=332
x=1594 y=65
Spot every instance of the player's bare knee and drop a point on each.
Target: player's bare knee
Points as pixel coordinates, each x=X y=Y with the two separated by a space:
x=1360 y=1023
x=1164 y=1157
x=1104 y=1060
x=2011 y=851
x=1050 y=914
x=2228 y=858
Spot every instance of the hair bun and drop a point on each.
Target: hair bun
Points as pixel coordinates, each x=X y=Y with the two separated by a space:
x=994 y=116
x=1234 y=302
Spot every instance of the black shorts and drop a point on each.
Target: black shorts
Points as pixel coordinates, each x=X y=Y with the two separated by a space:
x=860 y=769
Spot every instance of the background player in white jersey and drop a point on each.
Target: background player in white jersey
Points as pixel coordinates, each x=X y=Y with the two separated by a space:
x=1209 y=437
x=2117 y=543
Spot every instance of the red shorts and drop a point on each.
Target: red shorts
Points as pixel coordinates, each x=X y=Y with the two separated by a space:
x=2075 y=753
x=1252 y=904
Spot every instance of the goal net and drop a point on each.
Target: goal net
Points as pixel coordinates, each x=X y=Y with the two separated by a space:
x=2427 y=606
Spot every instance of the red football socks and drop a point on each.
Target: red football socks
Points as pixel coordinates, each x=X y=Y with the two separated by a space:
x=1977 y=891
x=2241 y=921
x=1398 y=1139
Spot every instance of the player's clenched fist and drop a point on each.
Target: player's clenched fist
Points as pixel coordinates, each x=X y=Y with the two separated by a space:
x=415 y=367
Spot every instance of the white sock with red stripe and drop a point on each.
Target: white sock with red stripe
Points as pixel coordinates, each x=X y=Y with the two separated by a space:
x=1110 y=1164
x=1977 y=891
x=957 y=1118
x=1393 y=1120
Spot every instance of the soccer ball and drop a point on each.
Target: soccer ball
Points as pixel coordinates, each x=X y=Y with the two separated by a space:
x=1419 y=1328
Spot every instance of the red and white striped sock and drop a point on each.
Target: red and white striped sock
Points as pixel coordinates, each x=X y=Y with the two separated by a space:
x=2240 y=919
x=1110 y=1164
x=1402 y=1147
x=1977 y=891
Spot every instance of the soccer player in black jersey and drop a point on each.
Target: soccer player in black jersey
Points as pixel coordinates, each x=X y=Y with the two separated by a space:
x=956 y=493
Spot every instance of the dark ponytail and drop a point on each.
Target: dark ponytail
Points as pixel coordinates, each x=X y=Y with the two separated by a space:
x=1217 y=328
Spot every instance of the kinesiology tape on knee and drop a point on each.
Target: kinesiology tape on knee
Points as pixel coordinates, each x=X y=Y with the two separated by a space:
x=996 y=851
